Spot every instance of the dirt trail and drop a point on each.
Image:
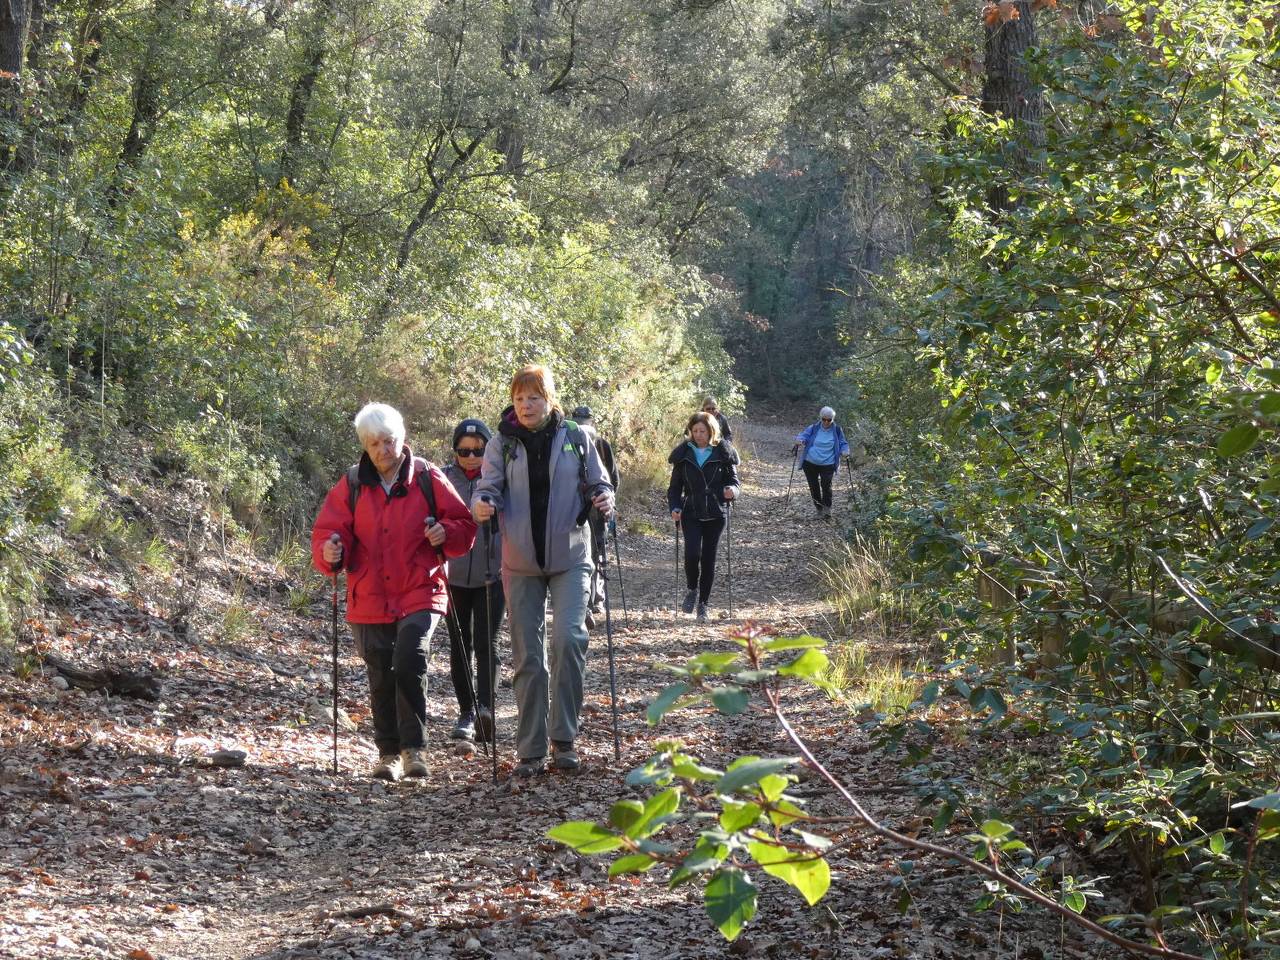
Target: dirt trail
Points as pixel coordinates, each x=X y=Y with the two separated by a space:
x=114 y=839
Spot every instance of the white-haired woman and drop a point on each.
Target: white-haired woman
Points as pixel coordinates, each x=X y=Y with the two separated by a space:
x=391 y=522
x=824 y=444
x=541 y=476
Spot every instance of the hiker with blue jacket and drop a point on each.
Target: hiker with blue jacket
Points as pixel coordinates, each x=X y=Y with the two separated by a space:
x=541 y=477
x=704 y=478
x=478 y=601
x=823 y=444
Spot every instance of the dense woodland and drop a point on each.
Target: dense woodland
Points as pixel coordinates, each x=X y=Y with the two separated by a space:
x=1030 y=250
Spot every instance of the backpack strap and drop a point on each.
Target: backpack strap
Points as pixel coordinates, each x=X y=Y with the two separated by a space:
x=427 y=487
x=353 y=486
x=578 y=442
x=424 y=484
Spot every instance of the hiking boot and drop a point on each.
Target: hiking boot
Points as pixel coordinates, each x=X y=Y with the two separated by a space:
x=465 y=728
x=702 y=612
x=690 y=598
x=388 y=767
x=484 y=725
x=590 y=620
x=415 y=762
x=530 y=767
x=564 y=757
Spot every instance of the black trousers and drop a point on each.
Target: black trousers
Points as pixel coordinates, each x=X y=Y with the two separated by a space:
x=479 y=620
x=819 y=478
x=599 y=548
x=395 y=655
x=701 y=540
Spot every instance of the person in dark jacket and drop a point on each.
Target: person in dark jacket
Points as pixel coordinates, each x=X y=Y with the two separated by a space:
x=710 y=406
x=475 y=589
x=704 y=479
x=585 y=419
x=396 y=577
x=541 y=478
x=823 y=444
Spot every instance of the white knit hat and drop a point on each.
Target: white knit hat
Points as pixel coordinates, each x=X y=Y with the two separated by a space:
x=826 y=412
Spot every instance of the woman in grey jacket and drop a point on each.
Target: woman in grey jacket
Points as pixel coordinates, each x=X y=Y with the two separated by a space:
x=541 y=477
x=476 y=596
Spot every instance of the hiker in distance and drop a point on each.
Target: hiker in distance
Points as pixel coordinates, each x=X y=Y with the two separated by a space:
x=542 y=477
x=584 y=418
x=824 y=444
x=704 y=479
x=709 y=405
x=475 y=590
x=374 y=524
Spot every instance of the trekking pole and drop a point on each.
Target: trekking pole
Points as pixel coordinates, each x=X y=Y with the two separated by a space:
x=728 y=538
x=795 y=456
x=613 y=531
x=848 y=472
x=335 y=567
x=677 y=558
x=491 y=638
x=613 y=677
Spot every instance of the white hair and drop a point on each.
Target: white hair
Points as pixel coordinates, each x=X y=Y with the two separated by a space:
x=377 y=420
x=827 y=412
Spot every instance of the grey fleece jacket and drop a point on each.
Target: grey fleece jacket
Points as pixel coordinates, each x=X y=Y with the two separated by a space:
x=567 y=543
x=474 y=569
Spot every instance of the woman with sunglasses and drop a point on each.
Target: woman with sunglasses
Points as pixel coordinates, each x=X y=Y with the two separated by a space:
x=824 y=444
x=475 y=592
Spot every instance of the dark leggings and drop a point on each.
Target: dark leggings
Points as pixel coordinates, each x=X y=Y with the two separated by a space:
x=701 y=539
x=474 y=619
x=819 y=478
x=395 y=655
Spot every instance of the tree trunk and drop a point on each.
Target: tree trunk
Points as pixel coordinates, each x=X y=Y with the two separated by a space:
x=300 y=96
x=527 y=48
x=15 y=26
x=1006 y=89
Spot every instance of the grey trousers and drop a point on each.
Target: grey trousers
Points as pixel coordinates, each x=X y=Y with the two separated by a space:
x=548 y=677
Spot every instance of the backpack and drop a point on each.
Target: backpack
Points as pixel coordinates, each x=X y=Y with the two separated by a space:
x=579 y=446
x=424 y=484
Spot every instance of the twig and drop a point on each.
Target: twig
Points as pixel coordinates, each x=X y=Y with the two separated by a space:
x=969 y=863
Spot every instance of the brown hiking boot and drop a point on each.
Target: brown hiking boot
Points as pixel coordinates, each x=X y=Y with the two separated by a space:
x=415 y=762
x=388 y=767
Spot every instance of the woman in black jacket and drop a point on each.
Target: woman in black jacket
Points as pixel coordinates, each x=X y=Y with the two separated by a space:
x=704 y=479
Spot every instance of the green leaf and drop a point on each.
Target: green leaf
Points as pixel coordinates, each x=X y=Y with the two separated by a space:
x=585 y=836
x=785 y=812
x=794 y=643
x=996 y=829
x=665 y=701
x=1075 y=901
x=631 y=863
x=731 y=901
x=811 y=663
x=750 y=770
x=712 y=662
x=1212 y=375
x=1269 y=801
x=730 y=700
x=655 y=809
x=739 y=816
x=929 y=694
x=811 y=875
x=625 y=812
x=689 y=770
x=1218 y=843
x=773 y=786
x=1239 y=439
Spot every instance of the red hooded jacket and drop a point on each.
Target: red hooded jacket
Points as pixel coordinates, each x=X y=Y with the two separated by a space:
x=392 y=571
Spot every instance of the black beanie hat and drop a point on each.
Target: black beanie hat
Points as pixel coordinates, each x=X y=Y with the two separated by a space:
x=473 y=427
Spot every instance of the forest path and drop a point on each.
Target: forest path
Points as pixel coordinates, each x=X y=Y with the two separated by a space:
x=119 y=840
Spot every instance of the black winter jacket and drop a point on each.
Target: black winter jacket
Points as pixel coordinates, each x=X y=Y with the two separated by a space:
x=699 y=491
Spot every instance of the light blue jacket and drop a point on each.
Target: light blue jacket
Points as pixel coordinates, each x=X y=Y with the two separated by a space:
x=809 y=432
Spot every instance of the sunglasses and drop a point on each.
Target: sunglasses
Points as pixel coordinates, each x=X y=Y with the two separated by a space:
x=469 y=451
x=827 y=419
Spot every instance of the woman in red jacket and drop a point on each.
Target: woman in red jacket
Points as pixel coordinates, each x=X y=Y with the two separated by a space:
x=374 y=523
